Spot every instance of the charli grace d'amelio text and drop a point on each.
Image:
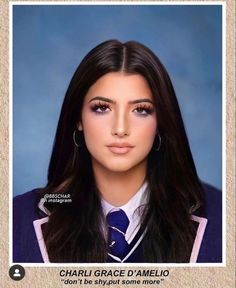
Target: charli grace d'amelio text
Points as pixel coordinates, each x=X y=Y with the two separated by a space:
x=114 y=273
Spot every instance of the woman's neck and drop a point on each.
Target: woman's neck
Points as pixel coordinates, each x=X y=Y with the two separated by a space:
x=117 y=188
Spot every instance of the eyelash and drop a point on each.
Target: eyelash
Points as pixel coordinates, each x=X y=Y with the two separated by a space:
x=102 y=106
x=147 y=109
x=141 y=109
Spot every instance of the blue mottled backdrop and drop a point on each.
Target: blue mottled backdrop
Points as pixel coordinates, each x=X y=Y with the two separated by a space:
x=49 y=41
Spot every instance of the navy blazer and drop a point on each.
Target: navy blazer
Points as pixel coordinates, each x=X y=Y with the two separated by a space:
x=29 y=247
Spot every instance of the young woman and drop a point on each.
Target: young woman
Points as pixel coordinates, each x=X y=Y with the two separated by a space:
x=123 y=171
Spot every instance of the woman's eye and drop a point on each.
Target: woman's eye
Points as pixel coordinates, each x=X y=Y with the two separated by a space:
x=101 y=108
x=143 y=110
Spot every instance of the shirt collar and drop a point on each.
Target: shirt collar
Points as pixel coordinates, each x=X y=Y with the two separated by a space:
x=139 y=199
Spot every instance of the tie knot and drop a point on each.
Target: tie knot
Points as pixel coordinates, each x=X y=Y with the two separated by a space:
x=118 y=219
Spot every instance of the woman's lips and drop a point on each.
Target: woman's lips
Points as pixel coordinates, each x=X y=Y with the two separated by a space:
x=121 y=148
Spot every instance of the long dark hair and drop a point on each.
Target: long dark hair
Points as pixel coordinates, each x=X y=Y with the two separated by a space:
x=74 y=232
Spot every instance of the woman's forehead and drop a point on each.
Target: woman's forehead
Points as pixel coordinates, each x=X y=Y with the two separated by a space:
x=120 y=85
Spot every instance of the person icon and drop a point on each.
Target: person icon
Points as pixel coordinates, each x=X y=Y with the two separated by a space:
x=17 y=273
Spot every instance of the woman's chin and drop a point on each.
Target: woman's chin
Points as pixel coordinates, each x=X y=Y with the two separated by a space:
x=123 y=166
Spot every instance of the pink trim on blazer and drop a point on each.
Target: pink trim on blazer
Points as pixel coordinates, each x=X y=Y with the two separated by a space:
x=199 y=236
x=195 y=251
x=39 y=235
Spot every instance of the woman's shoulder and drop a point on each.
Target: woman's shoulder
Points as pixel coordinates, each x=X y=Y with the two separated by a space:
x=27 y=204
x=25 y=212
x=212 y=201
x=211 y=208
x=29 y=196
x=211 y=211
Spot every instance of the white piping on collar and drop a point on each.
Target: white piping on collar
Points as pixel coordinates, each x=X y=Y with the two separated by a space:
x=38 y=230
x=39 y=234
x=199 y=236
x=42 y=207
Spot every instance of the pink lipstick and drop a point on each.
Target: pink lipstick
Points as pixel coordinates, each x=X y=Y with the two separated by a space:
x=120 y=148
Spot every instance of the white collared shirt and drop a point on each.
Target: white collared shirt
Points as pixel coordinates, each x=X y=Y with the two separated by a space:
x=134 y=210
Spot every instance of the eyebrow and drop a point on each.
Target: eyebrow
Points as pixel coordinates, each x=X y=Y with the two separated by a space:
x=113 y=102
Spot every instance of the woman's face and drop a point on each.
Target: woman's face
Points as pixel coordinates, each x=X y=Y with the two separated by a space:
x=119 y=122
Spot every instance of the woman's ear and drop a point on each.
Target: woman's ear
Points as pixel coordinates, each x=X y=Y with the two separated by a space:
x=79 y=126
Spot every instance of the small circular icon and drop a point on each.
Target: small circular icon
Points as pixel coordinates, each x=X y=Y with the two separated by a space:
x=17 y=272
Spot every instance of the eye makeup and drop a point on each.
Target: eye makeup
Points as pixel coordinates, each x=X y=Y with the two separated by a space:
x=100 y=107
x=144 y=109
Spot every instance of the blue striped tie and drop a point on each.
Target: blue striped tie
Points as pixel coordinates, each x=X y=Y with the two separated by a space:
x=118 y=223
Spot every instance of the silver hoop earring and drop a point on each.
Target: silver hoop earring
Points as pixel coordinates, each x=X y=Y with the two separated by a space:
x=74 y=139
x=159 y=143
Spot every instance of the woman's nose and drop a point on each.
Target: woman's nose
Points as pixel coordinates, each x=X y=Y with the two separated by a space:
x=120 y=125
